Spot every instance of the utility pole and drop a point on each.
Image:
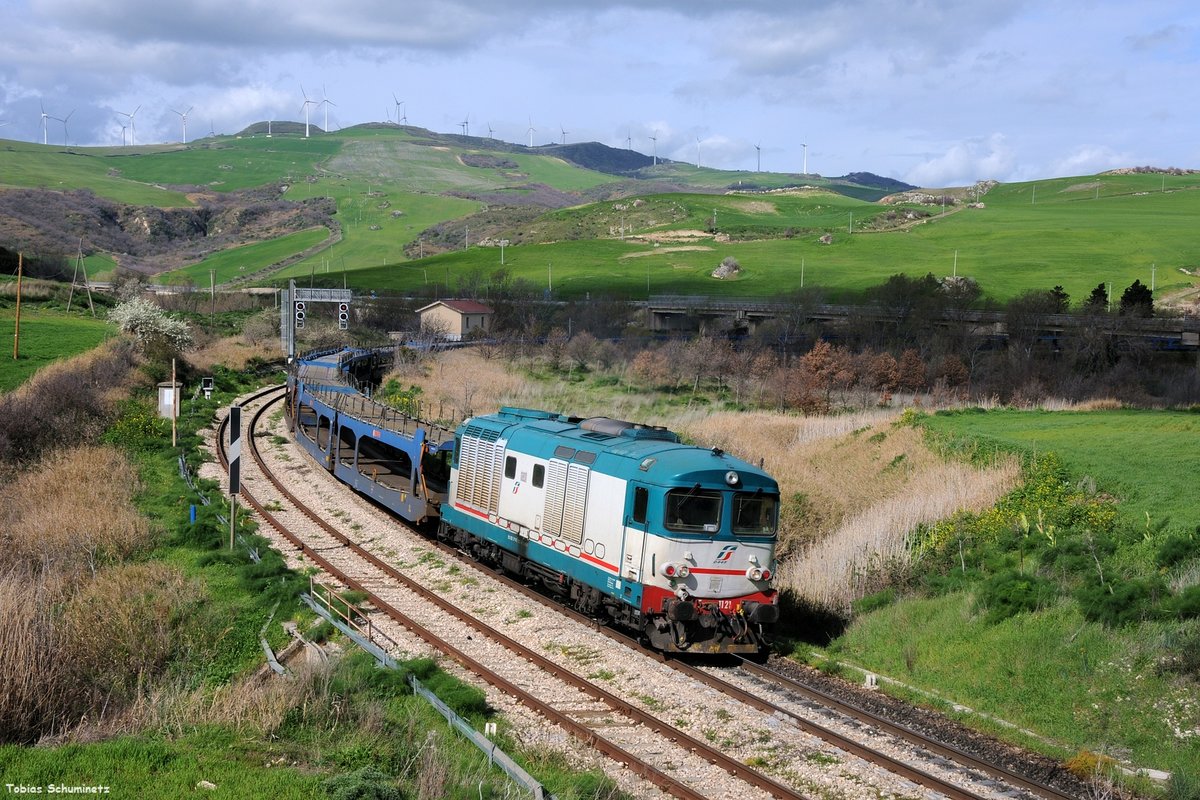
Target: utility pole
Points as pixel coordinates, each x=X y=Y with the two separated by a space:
x=17 y=327
x=174 y=406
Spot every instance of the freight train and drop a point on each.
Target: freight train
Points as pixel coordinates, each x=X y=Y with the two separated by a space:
x=622 y=521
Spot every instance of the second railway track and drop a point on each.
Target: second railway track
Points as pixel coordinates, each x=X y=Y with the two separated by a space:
x=693 y=735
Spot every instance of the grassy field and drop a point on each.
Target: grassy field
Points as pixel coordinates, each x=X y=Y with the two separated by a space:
x=1081 y=685
x=1068 y=238
x=1147 y=460
x=1084 y=684
x=244 y=260
x=46 y=336
x=228 y=163
x=31 y=166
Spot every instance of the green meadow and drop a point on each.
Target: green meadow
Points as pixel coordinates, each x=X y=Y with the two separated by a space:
x=34 y=166
x=1148 y=460
x=1056 y=668
x=46 y=336
x=1116 y=229
x=235 y=262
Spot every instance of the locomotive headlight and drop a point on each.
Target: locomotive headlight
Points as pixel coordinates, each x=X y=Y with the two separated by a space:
x=732 y=478
x=673 y=571
x=758 y=574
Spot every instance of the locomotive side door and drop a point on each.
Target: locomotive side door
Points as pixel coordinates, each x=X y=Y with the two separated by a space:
x=635 y=532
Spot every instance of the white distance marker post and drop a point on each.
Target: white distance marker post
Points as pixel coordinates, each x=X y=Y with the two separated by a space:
x=235 y=466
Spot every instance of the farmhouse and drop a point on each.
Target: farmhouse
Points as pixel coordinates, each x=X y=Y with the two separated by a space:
x=456 y=318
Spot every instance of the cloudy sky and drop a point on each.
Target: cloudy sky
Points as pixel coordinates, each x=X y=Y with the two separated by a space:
x=933 y=92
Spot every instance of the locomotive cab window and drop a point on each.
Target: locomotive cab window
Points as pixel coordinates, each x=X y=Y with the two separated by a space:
x=539 y=475
x=510 y=467
x=641 y=501
x=693 y=510
x=755 y=514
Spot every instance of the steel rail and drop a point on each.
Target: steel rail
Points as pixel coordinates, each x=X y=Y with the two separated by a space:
x=576 y=729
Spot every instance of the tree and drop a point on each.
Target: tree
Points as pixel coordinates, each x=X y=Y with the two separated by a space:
x=157 y=335
x=912 y=371
x=1062 y=300
x=1097 y=301
x=1137 y=300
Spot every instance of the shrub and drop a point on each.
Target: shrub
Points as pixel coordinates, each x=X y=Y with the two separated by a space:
x=1087 y=765
x=367 y=783
x=138 y=427
x=1178 y=547
x=1120 y=602
x=155 y=333
x=1009 y=593
x=1186 y=604
x=66 y=403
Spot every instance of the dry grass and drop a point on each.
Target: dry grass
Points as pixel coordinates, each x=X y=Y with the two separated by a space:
x=250 y=705
x=35 y=686
x=854 y=485
x=871 y=547
x=72 y=513
x=34 y=289
x=233 y=352
x=81 y=633
x=126 y=624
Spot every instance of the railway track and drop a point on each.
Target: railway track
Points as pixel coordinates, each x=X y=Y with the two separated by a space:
x=706 y=770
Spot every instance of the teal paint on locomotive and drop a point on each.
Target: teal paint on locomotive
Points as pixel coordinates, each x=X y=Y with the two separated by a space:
x=678 y=540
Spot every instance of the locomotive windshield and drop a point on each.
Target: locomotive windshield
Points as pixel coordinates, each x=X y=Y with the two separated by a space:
x=693 y=510
x=755 y=514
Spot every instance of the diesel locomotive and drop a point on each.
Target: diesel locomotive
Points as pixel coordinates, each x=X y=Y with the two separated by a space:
x=622 y=521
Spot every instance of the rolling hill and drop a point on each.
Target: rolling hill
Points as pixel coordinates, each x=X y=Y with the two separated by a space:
x=401 y=208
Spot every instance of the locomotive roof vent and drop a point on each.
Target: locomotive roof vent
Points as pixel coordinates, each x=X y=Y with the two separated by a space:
x=633 y=430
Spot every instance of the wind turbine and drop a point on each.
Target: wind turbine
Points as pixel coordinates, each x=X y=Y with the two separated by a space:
x=628 y=140
x=45 y=116
x=490 y=130
x=132 y=128
x=654 y=139
x=211 y=130
x=805 y=158
x=466 y=124
x=531 y=130
x=183 y=119
x=564 y=133
x=325 y=101
x=758 y=155
x=304 y=108
x=697 y=152
x=64 y=122
x=123 y=129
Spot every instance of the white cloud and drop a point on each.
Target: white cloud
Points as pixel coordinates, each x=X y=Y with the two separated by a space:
x=965 y=162
x=1070 y=84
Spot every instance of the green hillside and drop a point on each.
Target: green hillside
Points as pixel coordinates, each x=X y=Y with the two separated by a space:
x=393 y=184
x=1071 y=236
